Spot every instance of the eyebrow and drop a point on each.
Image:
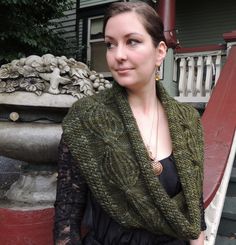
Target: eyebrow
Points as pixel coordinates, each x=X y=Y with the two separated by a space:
x=127 y=35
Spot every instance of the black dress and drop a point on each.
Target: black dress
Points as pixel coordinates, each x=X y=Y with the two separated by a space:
x=73 y=195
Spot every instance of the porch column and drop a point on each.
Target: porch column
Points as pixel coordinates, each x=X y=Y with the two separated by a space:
x=230 y=39
x=166 y=10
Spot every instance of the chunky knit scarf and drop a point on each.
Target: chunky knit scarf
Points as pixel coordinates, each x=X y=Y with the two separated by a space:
x=102 y=135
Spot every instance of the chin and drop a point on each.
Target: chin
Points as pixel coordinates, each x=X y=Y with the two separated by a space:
x=125 y=83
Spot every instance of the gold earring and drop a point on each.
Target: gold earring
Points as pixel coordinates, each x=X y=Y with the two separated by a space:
x=157 y=74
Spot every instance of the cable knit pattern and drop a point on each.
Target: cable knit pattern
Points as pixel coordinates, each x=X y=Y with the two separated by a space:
x=103 y=136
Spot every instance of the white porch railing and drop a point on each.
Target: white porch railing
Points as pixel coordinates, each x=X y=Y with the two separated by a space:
x=197 y=74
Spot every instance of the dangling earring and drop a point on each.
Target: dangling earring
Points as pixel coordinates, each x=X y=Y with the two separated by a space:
x=157 y=74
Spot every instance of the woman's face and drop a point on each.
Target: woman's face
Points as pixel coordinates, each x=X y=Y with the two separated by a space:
x=131 y=55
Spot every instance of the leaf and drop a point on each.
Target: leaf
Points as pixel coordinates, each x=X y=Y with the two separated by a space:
x=26 y=30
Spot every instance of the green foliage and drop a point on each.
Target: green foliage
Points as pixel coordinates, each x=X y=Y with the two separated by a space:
x=27 y=28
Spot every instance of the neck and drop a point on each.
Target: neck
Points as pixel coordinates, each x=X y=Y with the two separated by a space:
x=144 y=106
x=143 y=101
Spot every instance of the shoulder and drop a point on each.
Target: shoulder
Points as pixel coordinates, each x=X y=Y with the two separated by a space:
x=174 y=107
x=189 y=117
x=182 y=111
x=188 y=110
x=184 y=117
x=84 y=106
x=100 y=98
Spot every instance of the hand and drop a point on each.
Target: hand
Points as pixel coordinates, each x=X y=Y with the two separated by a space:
x=199 y=241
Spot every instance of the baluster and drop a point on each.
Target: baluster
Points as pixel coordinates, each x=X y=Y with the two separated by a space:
x=199 y=79
x=208 y=81
x=182 y=78
x=218 y=67
x=191 y=77
x=175 y=69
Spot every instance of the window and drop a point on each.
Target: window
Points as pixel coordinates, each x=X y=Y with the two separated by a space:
x=96 y=52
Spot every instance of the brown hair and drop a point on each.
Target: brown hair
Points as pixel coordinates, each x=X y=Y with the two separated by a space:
x=151 y=20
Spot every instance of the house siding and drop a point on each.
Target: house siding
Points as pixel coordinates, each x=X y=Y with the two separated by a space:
x=204 y=22
x=199 y=24
x=72 y=29
x=86 y=3
x=79 y=54
x=67 y=27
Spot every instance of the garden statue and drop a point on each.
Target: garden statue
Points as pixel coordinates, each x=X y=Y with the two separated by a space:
x=50 y=74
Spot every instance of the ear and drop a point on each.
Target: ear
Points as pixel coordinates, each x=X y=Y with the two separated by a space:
x=160 y=53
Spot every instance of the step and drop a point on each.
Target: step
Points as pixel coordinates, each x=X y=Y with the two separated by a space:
x=228 y=219
x=231 y=191
x=223 y=240
x=233 y=175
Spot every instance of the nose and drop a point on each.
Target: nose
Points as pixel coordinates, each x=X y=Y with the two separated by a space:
x=120 y=53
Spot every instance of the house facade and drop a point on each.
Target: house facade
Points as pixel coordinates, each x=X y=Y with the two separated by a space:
x=201 y=23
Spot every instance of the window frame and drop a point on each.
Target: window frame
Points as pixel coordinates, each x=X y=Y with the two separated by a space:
x=96 y=40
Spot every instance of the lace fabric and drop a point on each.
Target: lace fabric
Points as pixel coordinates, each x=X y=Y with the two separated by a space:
x=70 y=201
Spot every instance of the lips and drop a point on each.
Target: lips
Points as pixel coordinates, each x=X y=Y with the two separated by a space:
x=123 y=70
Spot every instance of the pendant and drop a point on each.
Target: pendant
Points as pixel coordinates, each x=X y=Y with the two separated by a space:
x=157 y=167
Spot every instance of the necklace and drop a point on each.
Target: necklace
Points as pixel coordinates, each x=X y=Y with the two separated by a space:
x=156 y=165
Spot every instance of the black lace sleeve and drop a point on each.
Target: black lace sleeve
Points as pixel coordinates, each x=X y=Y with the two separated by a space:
x=203 y=223
x=70 y=200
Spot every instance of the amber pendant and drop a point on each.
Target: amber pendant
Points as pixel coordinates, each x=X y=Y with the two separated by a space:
x=157 y=167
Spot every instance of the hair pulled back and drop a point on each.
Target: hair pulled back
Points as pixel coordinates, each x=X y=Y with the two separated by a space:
x=150 y=19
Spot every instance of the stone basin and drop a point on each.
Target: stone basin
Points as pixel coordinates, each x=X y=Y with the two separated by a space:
x=30 y=142
x=35 y=134
x=30 y=132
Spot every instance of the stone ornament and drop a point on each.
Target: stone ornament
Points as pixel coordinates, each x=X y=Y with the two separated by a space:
x=51 y=74
x=37 y=142
x=34 y=188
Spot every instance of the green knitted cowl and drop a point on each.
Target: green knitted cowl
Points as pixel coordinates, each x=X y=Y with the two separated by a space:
x=103 y=136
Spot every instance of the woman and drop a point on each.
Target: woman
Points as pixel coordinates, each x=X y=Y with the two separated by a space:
x=131 y=157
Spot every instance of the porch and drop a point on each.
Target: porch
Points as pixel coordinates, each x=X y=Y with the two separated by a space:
x=205 y=77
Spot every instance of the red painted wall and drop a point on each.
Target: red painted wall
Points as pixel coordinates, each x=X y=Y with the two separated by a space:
x=18 y=227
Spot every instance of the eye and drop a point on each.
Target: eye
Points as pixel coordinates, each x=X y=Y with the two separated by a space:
x=109 y=45
x=133 y=42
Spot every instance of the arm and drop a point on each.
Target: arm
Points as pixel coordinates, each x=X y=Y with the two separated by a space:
x=70 y=200
x=201 y=238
